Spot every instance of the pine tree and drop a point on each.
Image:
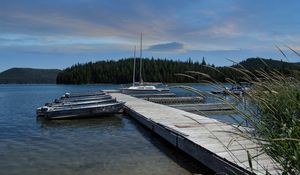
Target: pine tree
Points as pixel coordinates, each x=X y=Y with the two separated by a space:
x=203 y=62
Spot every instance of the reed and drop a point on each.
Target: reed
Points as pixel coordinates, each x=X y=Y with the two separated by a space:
x=274 y=115
x=276 y=118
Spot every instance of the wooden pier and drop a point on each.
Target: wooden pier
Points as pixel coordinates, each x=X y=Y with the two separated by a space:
x=203 y=107
x=209 y=141
x=174 y=100
x=158 y=95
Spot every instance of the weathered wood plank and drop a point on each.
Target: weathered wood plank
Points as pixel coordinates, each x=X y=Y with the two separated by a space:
x=210 y=141
x=203 y=106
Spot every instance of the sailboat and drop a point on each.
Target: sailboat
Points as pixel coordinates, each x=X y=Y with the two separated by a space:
x=141 y=88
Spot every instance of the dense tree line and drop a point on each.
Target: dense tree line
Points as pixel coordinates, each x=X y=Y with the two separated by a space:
x=161 y=70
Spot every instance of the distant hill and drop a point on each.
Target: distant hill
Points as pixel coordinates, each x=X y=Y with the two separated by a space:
x=163 y=70
x=260 y=63
x=28 y=75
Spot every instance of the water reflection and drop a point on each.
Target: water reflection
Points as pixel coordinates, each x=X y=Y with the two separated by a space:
x=95 y=122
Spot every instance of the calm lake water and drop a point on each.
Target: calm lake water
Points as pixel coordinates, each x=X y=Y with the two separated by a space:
x=108 y=145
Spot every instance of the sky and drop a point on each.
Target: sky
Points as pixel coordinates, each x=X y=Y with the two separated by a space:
x=60 y=33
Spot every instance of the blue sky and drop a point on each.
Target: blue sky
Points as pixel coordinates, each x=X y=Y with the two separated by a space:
x=60 y=33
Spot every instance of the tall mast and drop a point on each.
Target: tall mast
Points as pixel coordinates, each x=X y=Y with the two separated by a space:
x=141 y=48
x=134 y=57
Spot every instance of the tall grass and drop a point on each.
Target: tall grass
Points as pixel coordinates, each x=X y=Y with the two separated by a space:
x=274 y=115
x=276 y=119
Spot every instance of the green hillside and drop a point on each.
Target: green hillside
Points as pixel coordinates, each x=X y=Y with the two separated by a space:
x=163 y=70
x=258 y=63
x=28 y=75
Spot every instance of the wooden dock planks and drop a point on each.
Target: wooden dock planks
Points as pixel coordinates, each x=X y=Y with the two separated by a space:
x=207 y=140
x=203 y=107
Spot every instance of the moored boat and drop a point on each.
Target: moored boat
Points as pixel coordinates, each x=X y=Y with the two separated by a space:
x=142 y=88
x=80 y=103
x=79 y=111
x=82 y=94
x=237 y=89
x=72 y=105
x=80 y=99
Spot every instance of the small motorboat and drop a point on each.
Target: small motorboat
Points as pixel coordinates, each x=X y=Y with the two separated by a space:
x=72 y=105
x=80 y=99
x=238 y=89
x=79 y=111
x=81 y=103
x=78 y=94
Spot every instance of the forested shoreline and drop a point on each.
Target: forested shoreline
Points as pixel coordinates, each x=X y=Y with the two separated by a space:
x=29 y=76
x=164 y=70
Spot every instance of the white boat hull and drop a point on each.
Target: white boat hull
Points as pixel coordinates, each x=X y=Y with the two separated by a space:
x=144 y=91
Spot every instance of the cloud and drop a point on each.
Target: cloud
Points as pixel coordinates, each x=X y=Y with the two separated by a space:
x=111 y=28
x=65 y=49
x=86 y=18
x=166 y=47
